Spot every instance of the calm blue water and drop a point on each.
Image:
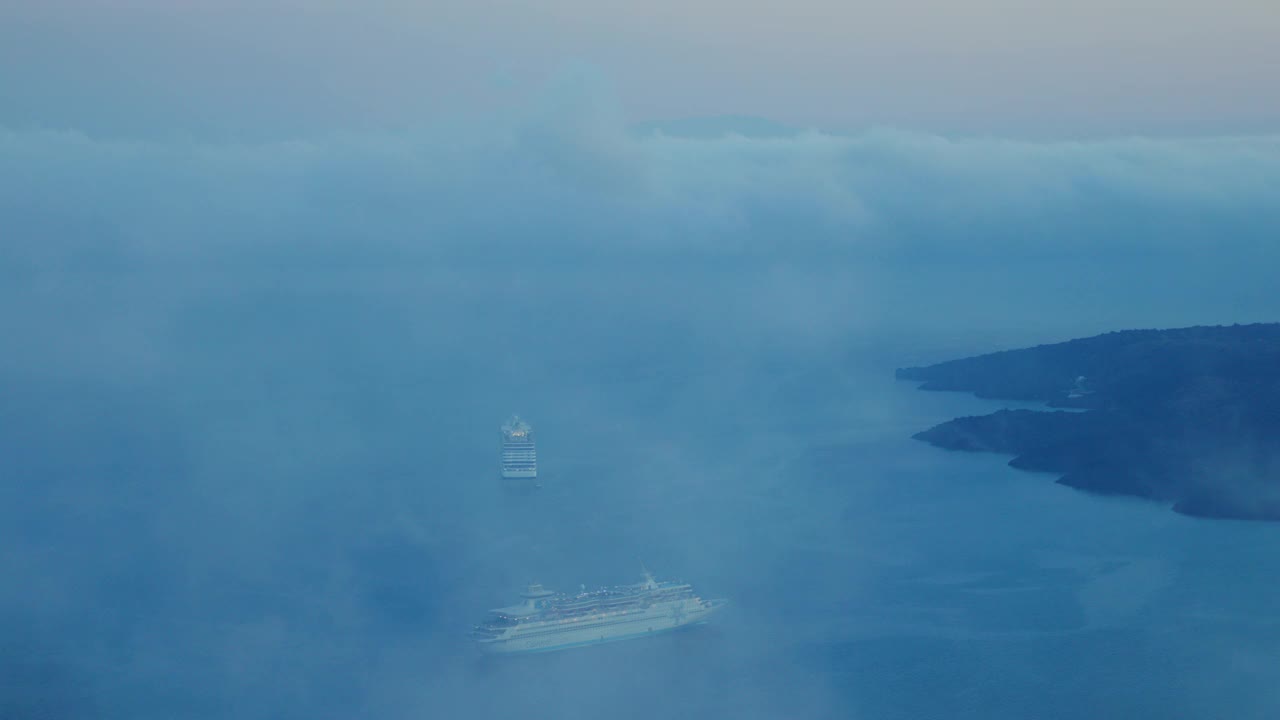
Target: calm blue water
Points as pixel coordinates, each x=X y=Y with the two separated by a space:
x=871 y=576
x=314 y=540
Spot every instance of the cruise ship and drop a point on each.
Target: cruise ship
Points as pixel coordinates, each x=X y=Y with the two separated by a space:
x=519 y=456
x=547 y=621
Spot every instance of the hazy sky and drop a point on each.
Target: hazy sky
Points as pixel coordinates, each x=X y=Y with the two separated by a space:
x=281 y=67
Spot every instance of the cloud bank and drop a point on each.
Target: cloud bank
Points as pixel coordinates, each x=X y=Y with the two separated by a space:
x=575 y=185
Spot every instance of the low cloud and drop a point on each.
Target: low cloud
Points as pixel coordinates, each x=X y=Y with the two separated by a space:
x=562 y=183
x=810 y=234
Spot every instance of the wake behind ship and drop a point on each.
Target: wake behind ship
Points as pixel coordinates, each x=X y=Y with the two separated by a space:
x=519 y=455
x=548 y=621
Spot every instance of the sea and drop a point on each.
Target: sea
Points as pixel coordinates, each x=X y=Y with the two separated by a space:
x=294 y=517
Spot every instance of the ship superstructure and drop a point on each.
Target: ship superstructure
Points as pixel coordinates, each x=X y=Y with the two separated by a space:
x=519 y=455
x=547 y=621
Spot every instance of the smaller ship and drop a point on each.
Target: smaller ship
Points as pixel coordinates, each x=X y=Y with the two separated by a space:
x=519 y=454
x=547 y=621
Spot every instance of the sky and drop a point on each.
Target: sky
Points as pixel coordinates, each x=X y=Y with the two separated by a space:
x=279 y=68
x=272 y=274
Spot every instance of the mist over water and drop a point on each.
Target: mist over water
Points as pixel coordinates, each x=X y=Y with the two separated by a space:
x=251 y=393
x=291 y=509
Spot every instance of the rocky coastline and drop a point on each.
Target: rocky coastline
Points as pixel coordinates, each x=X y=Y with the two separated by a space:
x=1188 y=417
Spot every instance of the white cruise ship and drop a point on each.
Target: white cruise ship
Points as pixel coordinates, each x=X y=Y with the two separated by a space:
x=548 y=621
x=519 y=456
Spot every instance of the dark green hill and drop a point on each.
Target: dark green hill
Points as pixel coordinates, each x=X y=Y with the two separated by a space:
x=1188 y=416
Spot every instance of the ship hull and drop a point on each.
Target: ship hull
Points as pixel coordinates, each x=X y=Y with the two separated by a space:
x=641 y=624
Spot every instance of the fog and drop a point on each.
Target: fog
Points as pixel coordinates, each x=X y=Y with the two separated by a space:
x=252 y=394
